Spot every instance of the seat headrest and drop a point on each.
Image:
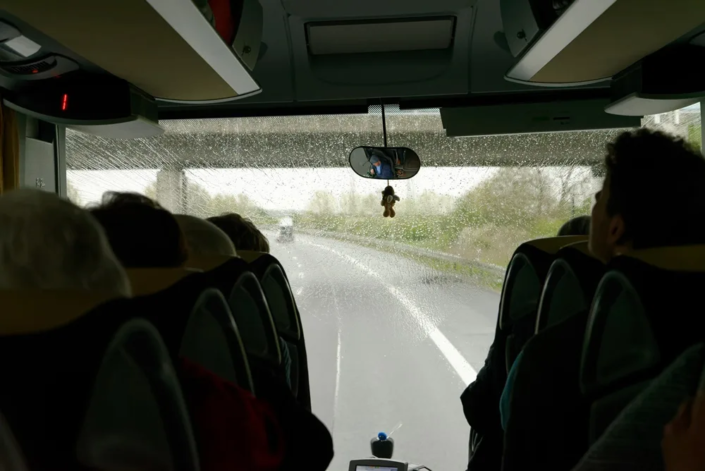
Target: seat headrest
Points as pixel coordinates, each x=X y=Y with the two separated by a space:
x=147 y=281
x=207 y=262
x=27 y=312
x=552 y=245
x=579 y=247
x=686 y=258
x=249 y=255
x=525 y=276
x=570 y=285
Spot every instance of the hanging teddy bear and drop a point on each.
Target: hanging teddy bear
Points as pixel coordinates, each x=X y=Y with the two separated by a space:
x=388 y=200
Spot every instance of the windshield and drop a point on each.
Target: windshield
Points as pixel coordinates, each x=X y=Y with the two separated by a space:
x=398 y=313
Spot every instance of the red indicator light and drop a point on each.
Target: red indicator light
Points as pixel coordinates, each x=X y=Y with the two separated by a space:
x=65 y=102
x=34 y=71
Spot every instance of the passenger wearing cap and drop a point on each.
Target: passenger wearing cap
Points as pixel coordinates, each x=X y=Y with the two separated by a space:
x=380 y=169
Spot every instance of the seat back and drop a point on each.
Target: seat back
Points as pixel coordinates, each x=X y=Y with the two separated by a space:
x=251 y=312
x=285 y=313
x=131 y=407
x=646 y=311
x=195 y=322
x=87 y=384
x=521 y=292
x=570 y=285
x=145 y=281
x=546 y=392
x=11 y=458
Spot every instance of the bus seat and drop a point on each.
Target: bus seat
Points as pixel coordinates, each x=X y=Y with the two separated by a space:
x=249 y=255
x=252 y=315
x=522 y=288
x=195 y=322
x=232 y=276
x=546 y=391
x=287 y=320
x=11 y=458
x=644 y=314
x=95 y=389
x=31 y=312
x=206 y=263
x=570 y=285
x=146 y=281
x=126 y=422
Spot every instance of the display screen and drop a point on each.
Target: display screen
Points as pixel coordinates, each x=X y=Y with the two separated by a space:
x=375 y=468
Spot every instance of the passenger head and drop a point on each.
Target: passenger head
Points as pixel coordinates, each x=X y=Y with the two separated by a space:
x=49 y=243
x=374 y=160
x=203 y=237
x=242 y=232
x=141 y=234
x=653 y=195
x=577 y=226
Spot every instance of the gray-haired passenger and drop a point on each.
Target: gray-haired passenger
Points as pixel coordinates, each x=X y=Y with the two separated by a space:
x=49 y=243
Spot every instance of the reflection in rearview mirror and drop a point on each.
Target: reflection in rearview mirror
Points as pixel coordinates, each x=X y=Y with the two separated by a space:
x=385 y=163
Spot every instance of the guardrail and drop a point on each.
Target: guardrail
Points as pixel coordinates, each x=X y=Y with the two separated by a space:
x=407 y=249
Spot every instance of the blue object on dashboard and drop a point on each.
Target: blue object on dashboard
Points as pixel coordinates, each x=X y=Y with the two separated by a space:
x=382 y=436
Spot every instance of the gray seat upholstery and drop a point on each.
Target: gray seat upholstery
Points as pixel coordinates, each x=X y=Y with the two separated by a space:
x=647 y=311
x=521 y=292
x=548 y=419
x=632 y=442
x=195 y=321
x=11 y=458
x=210 y=337
x=88 y=382
x=135 y=406
x=570 y=285
x=251 y=312
x=285 y=314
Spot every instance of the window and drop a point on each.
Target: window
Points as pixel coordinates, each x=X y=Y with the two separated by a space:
x=398 y=313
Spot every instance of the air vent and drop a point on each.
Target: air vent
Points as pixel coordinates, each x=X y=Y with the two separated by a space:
x=35 y=67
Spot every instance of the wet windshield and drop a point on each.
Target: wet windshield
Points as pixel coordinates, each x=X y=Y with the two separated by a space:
x=398 y=313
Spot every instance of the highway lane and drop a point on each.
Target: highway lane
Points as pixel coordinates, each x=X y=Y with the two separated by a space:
x=391 y=345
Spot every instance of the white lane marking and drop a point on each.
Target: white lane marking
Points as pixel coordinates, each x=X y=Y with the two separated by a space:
x=456 y=360
x=337 y=373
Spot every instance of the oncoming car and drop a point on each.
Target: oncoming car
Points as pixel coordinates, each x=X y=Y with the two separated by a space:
x=286 y=230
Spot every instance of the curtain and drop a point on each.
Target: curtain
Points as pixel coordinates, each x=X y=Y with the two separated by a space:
x=9 y=150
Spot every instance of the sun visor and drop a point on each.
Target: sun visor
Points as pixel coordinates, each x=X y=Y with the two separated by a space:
x=593 y=40
x=167 y=48
x=540 y=117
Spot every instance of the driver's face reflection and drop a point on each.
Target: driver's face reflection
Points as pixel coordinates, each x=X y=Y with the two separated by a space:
x=377 y=164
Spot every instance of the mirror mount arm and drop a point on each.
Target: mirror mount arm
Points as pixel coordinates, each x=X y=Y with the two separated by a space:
x=384 y=125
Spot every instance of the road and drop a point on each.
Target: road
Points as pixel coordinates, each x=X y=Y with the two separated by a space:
x=391 y=345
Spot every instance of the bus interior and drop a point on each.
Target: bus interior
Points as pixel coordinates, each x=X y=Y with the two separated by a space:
x=253 y=107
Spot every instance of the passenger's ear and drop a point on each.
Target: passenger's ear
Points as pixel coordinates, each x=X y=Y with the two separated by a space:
x=617 y=231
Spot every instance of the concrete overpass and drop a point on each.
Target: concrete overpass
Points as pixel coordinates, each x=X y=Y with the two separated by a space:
x=325 y=141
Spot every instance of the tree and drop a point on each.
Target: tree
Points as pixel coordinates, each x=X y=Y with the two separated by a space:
x=695 y=136
x=511 y=197
x=322 y=203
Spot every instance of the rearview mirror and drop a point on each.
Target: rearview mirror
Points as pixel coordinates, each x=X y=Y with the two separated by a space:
x=385 y=163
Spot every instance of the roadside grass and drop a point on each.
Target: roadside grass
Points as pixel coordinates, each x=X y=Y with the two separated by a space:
x=478 y=275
